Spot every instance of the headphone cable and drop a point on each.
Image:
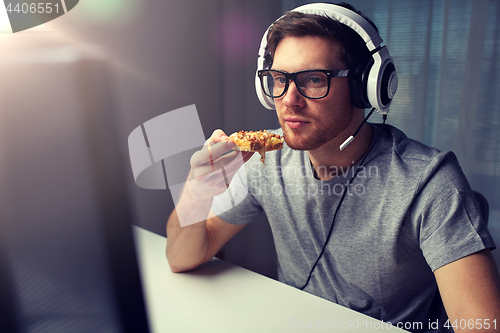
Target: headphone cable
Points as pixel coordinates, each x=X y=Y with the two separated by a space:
x=361 y=165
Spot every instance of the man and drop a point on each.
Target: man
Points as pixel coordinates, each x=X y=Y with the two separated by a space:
x=387 y=226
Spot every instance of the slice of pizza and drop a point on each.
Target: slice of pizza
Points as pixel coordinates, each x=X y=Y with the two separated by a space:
x=259 y=141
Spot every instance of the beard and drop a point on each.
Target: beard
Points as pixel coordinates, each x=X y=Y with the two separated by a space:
x=317 y=133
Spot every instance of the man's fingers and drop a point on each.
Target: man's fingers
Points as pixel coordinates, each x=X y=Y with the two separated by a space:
x=211 y=157
x=216 y=150
x=230 y=162
x=216 y=162
x=210 y=152
x=218 y=135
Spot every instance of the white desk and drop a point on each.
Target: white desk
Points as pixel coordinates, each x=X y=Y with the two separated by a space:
x=221 y=297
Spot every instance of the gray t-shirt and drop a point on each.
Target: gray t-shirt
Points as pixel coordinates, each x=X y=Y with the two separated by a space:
x=408 y=211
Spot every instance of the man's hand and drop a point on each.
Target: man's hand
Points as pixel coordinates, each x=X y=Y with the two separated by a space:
x=213 y=168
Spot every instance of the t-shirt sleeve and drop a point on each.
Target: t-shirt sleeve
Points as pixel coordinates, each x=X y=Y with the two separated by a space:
x=448 y=219
x=237 y=205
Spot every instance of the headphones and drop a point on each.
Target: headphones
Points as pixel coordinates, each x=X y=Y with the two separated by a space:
x=372 y=84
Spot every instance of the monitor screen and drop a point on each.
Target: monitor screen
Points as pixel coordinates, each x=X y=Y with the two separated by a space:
x=67 y=257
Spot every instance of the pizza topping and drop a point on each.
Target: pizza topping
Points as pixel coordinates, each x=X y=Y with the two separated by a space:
x=259 y=141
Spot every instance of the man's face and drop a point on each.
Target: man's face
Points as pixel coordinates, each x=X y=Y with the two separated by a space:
x=310 y=123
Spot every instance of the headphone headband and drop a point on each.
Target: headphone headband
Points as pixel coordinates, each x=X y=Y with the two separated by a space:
x=376 y=84
x=347 y=17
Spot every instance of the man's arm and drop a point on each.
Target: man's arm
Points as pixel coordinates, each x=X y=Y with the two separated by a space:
x=195 y=234
x=193 y=245
x=470 y=289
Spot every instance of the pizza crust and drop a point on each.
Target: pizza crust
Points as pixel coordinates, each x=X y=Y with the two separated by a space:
x=258 y=141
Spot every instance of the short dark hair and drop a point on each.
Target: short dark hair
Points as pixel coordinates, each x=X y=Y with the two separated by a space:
x=352 y=51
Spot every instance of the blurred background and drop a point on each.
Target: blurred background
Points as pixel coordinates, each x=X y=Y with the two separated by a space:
x=123 y=62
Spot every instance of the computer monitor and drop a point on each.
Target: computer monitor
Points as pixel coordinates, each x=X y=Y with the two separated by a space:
x=67 y=257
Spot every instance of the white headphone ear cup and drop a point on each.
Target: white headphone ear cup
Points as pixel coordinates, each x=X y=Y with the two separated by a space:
x=388 y=84
x=263 y=61
x=265 y=100
x=382 y=81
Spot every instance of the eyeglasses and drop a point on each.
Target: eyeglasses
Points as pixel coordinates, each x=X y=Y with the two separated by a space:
x=312 y=84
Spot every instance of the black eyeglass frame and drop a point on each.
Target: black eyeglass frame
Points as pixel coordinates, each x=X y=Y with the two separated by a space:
x=293 y=76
